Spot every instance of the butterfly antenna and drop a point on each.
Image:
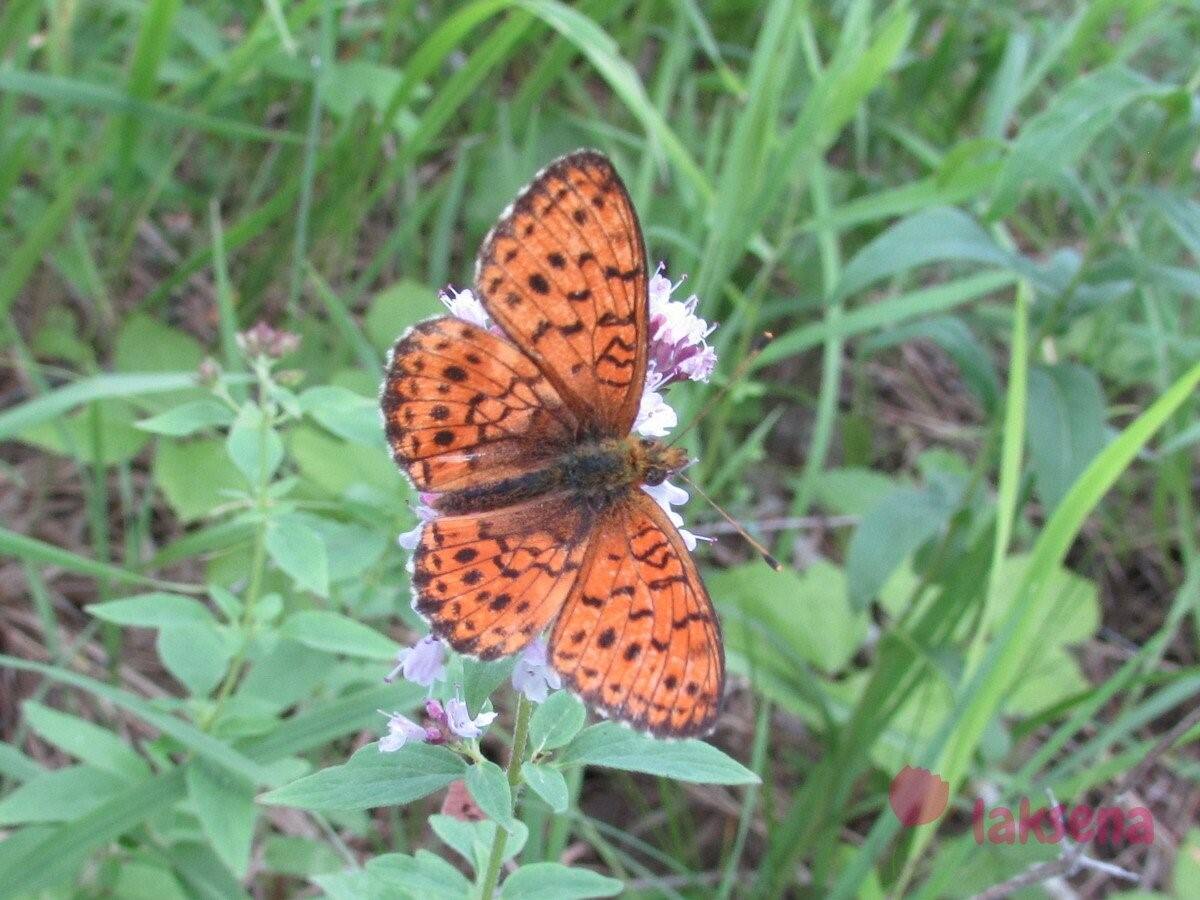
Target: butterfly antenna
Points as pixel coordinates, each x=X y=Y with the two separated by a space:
x=757 y=545
x=760 y=344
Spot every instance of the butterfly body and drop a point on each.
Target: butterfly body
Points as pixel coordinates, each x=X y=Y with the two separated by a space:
x=517 y=432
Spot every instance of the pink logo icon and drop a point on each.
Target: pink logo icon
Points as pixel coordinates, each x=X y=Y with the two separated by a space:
x=918 y=796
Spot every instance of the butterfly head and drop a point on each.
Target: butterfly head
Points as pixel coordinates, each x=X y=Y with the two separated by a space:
x=655 y=461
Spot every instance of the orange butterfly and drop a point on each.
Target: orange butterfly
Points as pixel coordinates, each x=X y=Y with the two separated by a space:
x=524 y=441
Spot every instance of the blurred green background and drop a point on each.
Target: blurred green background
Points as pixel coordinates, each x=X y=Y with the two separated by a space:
x=973 y=229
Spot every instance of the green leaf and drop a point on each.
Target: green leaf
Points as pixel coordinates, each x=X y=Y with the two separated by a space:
x=1057 y=136
x=299 y=856
x=60 y=401
x=145 y=344
x=618 y=747
x=548 y=783
x=935 y=235
x=285 y=673
x=556 y=721
x=1186 y=878
x=255 y=448
x=768 y=603
x=59 y=796
x=351 y=549
x=225 y=806
x=480 y=678
x=423 y=875
x=889 y=531
x=180 y=421
x=197 y=655
x=395 y=309
x=138 y=879
x=370 y=779
x=353 y=884
x=58 y=854
x=201 y=743
x=473 y=840
x=335 y=633
x=16 y=765
x=196 y=476
x=1050 y=676
x=554 y=881
x=202 y=872
x=104 y=430
x=155 y=610
x=1065 y=428
x=334 y=466
x=851 y=491
x=488 y=784
x=299 y=551
x=85 y=740
x=348 y=415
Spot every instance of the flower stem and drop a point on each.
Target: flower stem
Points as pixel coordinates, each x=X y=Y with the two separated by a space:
x=520 y=738
x=259 y=561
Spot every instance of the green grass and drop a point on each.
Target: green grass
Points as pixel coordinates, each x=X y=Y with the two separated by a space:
x=973 y=230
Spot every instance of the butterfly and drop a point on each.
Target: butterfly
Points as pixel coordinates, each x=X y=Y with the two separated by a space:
x=520 y=435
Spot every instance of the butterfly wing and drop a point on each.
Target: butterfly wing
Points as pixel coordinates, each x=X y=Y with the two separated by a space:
x=490 y=582
x=563 y=273
x=463 y=407
x=639 y=638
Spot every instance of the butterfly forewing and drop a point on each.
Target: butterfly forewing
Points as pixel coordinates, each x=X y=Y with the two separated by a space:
x=463 y=407
x=638 y=637
x=564 y=274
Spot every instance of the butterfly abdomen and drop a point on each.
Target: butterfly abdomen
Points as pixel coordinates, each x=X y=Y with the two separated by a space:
x=505 y=492
x=595 y=472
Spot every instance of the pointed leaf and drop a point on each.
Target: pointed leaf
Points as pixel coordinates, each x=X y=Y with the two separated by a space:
x=618 y=747
x=371 y=778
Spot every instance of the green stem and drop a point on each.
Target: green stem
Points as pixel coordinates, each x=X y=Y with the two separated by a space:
x=258 y=561
x=520 y=738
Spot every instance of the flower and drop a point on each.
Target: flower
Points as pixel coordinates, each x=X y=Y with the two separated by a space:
x=403 y=730
x=655 y=417
x=263 y=340
x=532 y=675
x=423 y=663
x=667 y=495
x=435 y=711
x=678 y=349
x=464 y=305
x=411 y=538
x=459 y=719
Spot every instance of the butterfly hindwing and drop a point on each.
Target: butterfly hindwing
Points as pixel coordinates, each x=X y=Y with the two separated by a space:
x=463 y=407
x=639 y=638
x=490 y=582
x=564 y=274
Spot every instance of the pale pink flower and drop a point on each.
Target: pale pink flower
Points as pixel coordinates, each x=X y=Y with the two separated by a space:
x=532 y=675
x=264 y=340
x=459 y=719
x=464 y=305
x=667 y=495
x=423 y=663
x=403 y=730
x=410 y=539
x=678 y=349
x=655 y=417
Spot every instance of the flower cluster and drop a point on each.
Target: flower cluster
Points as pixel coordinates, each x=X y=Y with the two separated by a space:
x=424 y=663
x=679 y=350
x=264 y=340
x=446 y=723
